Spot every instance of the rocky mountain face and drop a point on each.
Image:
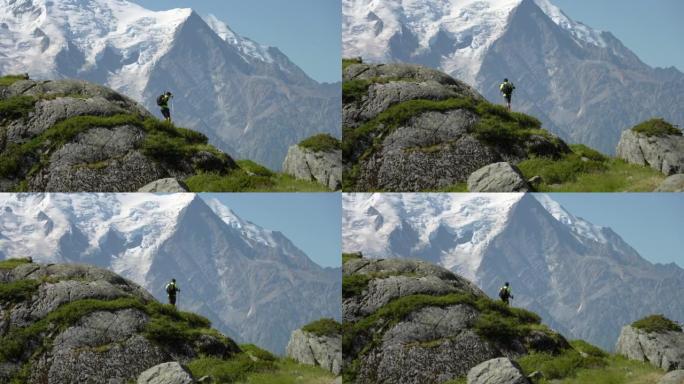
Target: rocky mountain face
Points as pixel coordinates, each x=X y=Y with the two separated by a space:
x=583 y=84
x=249 y=99
x=662 y=349
x=253 y=284
x=74 y=136
x=408 y=321
x=411 y=128
x=76 y=323
x=584 y=280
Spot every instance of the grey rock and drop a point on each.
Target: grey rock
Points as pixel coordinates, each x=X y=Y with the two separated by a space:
x=498 y=177
x=322 y=167
x=166 y=373
x=323 y=351
x=168 y=185
x=663 y=153
x=497 y=371
x=673 y=377
x=664 y=350
x=674 y=183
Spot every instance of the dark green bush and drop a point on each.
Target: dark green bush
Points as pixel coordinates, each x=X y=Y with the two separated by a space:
x=7 y=80
x=16 y=107
x=657 y=127
x=353 y=285
x=349 y=61
x=18 y=291
x=656 y=324
x=351 y=256
x=323 y=327
x=13 y=263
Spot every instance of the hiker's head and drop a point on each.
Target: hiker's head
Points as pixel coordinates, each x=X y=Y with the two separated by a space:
x=505 y=80
x=173 y=280
x=168 y=93
x=506 y=284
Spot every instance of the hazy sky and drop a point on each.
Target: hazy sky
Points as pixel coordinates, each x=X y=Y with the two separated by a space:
x=312 y=221
x=653 y=29
x=652 y=223
x=307 y=31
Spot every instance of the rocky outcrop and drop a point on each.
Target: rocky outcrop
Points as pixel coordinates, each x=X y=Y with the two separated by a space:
x=664 y=153
x=322 y=350
x=410 y=128
x=498 y=177
x=412 y=322
x=674 y=183
x=168 y=185
x=674 y=377
x=77 y=323
x=324 y=167
x=662 y=349
x=70 y=135
x=497 y=371
x=166 y=373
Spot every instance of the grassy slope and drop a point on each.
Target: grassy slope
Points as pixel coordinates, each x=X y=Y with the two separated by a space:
x=164 y=143
x=570 y=173
x=168 y=327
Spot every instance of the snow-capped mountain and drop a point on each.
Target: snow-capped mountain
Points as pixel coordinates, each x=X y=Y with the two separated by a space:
x=583 y=279
x=584 y=84
x=254 y=284
x=250 y=99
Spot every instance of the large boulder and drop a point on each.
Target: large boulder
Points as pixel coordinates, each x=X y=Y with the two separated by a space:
x=411 y=128
x=664 y=153
x=432 y=342
x=664 y=349
x=324 y=166
x=74 y=136
x=674 y=183
x=497 y=371
x=166 y=373
x=85 y=324
x=498 y=177
x=321 y=350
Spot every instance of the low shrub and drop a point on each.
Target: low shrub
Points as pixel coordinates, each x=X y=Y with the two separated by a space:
x=16 y=107
x=257 y=352
x=354 y=285
x=656 y=324
x=321 y=143
x=228 y=371
x=657 y=127
x=18 y=291
x=14 y=262
x=351 y=256
x=323 y=327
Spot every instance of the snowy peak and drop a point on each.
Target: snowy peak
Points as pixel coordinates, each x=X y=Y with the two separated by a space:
x=246 y=228
x=249 y=49
x=451 y=34
x=579 y=227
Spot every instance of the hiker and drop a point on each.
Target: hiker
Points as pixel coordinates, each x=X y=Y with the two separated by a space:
x=507 y=90
x=163 y=102
x=171 y=290
x=505 y=293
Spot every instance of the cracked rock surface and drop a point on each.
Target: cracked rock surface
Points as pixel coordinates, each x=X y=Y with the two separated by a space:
x=323 y=351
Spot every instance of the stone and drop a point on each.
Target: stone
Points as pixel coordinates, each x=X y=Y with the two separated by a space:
x=323 y=351
x=324 y=167
x=167 y=185
x=498 y=177
x=673 y=377
x=497 y=371
x=664 y=350
x=674 y=183
x=663 y=153
x=166 y=373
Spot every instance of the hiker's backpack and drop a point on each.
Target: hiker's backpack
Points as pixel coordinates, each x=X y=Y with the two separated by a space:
x=507 y=88
x=170 y=288
x=160 y=100
x=503 y=293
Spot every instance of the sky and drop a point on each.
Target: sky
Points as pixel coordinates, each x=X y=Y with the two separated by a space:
x=312 y=221
x=652 y=223
x=307 y=31
x=652 y=29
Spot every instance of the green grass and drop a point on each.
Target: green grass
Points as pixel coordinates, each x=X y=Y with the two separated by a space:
x=566 y=364
x=618 y=370
x=287 y=371
x=321 y=143
x=350 y=61
x=656 y=127
x=16 y=107
x=253 y=168
x=241 y=181
x=7 y=80
x=656 y=324
x=354 y=285
x=589 y=349
x=323 y=327
x=13 y=263
x=228 y=371
x=18 y=291
x=351 y=256
x=257 y=352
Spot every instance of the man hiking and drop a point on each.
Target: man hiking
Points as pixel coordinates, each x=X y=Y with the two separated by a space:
x=507 y=90
x=171 y=290
x=505 y=293
x=163 y=102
